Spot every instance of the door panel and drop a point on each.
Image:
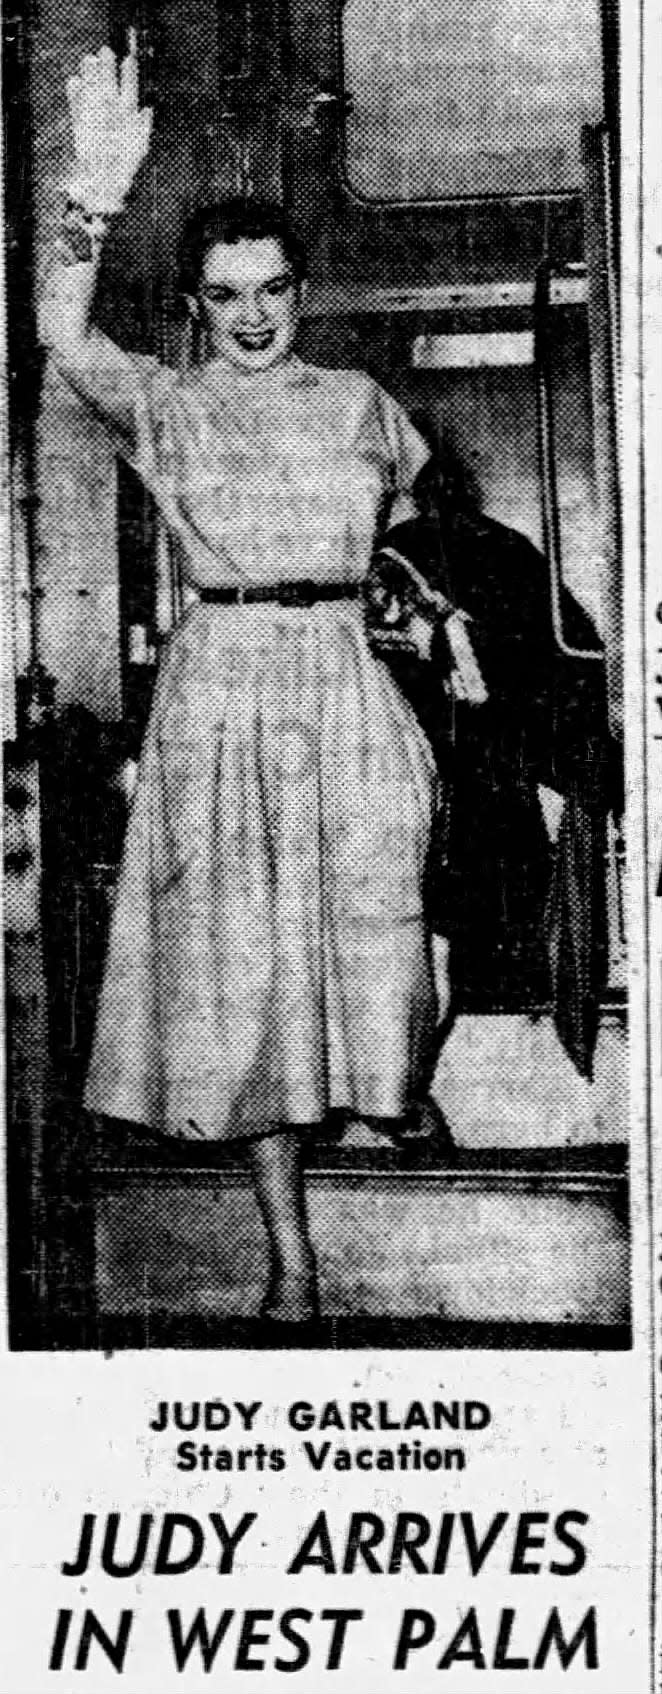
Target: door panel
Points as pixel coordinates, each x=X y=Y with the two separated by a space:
x=339 y=187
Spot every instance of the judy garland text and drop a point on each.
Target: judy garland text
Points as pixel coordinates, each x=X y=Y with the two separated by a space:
x=211 y=1417
x=233 y=1637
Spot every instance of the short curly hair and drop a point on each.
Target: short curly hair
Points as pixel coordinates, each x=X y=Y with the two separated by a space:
x=230 y=221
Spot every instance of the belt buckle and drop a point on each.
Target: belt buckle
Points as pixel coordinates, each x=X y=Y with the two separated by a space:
x=302 y=593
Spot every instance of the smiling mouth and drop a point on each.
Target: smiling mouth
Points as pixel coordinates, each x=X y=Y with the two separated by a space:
x=254 y=341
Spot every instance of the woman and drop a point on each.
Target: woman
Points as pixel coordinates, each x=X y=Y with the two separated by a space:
x=267 y=960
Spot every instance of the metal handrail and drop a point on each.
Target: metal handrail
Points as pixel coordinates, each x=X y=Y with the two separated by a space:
x=547 y=462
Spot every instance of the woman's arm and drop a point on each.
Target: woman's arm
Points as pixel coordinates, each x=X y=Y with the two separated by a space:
x=97 y=369
x=111 y=137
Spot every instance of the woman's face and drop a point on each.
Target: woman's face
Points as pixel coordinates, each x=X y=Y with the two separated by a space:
x=251 y=303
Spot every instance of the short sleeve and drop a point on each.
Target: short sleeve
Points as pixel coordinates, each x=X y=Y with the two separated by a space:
x=130 y=393
x=139 y=400
x=153 y=453
x=408 y=451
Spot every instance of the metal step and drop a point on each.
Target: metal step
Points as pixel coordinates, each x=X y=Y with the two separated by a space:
x=522 y=1241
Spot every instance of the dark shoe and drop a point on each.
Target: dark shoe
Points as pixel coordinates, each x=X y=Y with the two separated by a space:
x=427 y=1134
x=291 y=1299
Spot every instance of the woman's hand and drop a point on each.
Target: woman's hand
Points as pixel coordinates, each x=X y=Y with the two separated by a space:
x=414 y=641
x=402 y=614
x=111 y=131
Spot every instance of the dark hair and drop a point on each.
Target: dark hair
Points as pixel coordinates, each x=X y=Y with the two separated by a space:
x=232 y=221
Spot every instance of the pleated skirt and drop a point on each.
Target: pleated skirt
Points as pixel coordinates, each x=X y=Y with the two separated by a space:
x=268 y=959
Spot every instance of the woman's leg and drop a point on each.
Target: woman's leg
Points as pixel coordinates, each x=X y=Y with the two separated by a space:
x=425 y=1126
x=276 y=1166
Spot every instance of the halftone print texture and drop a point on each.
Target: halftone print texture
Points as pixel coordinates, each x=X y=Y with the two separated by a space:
x=315 y=778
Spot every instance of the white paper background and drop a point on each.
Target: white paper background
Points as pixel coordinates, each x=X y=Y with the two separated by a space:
x=567 y=1432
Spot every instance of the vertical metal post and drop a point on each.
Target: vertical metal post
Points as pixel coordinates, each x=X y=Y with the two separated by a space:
x=603 y=339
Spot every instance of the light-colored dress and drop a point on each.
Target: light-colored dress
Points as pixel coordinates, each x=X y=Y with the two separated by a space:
x=268 y=958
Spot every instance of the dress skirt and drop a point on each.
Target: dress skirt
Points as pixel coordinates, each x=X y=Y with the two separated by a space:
x=268 y=959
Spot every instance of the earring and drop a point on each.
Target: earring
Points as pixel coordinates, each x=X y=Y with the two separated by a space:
x=200 y=343
x=198 y=332
x=186 y=347
x=193 y=346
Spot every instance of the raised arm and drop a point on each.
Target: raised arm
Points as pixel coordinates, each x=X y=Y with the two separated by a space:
x=111 y=136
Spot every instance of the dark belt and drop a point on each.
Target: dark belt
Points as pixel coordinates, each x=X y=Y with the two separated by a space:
x=304 y=593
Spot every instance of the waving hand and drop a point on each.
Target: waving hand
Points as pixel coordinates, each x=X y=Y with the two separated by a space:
x=111 y=131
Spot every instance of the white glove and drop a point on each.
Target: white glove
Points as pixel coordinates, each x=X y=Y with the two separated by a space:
x=111 y=132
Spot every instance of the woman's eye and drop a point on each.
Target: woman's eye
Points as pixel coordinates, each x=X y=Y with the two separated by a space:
x=278 y=287
x=218 y=296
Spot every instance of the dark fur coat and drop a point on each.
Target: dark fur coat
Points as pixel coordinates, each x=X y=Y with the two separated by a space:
x=527 y=923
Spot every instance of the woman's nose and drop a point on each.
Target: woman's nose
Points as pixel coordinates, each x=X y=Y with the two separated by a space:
x=252 y=309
